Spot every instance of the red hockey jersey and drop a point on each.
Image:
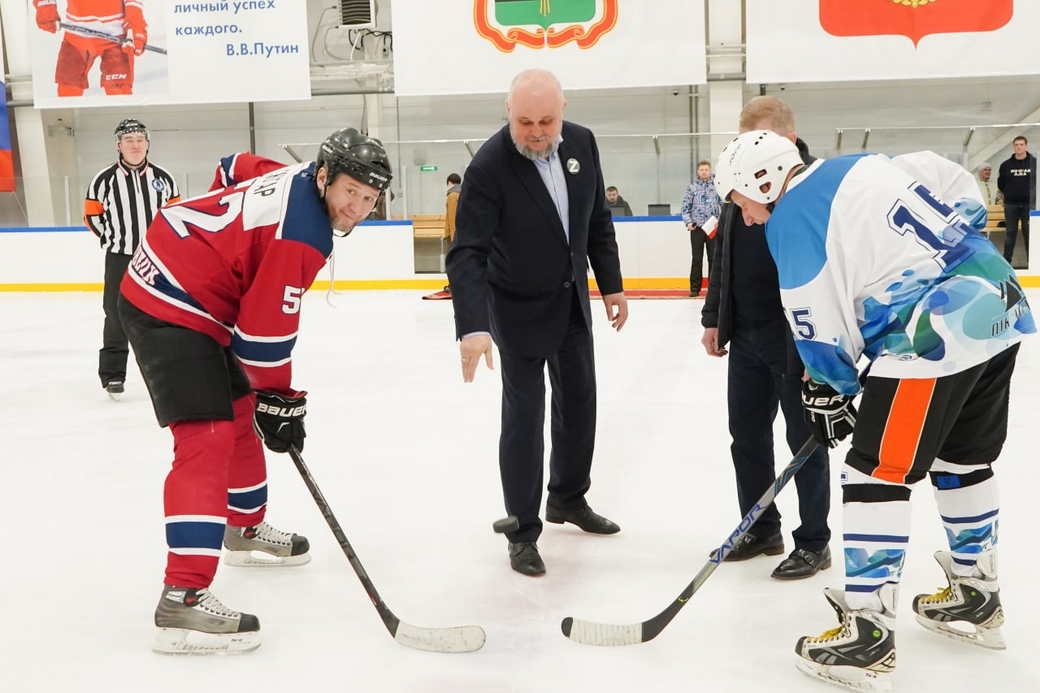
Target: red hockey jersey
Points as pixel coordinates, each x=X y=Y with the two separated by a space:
x=236 y=168
x=234 y=264
x=107 y=16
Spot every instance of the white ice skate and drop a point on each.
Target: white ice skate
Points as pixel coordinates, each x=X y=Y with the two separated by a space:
x=262 y=545
x=968 y=609
x=193 y=621
x=860 y=654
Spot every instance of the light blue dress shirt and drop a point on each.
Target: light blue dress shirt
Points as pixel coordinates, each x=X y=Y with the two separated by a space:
x=551 y=171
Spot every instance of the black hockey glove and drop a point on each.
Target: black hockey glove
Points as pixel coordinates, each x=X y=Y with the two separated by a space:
x=831 y=415
x=279 y=420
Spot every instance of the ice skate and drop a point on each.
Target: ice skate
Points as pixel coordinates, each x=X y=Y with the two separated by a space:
x=263 y=545
x=860 y=654
x=115 y=389
x=193 y=621
x=973 y=603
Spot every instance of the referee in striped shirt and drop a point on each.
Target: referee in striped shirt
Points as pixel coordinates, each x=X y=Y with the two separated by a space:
x=120 y=204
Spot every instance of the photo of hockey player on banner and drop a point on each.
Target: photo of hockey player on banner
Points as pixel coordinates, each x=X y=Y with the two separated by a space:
x=88 y=53
x=99 y=52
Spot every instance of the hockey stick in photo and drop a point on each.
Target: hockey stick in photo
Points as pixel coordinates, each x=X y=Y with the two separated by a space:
x=590 y=633
x=86 y=31
x=457 y=639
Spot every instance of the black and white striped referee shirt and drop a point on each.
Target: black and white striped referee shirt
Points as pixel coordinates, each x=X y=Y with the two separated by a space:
x=121 y=203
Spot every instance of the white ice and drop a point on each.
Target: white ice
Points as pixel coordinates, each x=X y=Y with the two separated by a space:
x=407 y=456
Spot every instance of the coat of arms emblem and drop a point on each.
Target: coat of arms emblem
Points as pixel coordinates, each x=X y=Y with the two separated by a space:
x=541 y=24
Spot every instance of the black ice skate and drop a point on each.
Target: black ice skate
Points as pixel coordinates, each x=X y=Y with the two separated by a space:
x=263 y=545
x=860 y=654
x=114 y=388
x=193 y=621
x=971 y=602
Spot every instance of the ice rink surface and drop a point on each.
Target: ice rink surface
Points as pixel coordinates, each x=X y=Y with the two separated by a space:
x=406 y=455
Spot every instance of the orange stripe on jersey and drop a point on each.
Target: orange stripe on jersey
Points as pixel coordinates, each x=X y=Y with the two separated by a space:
x=173 y=200
x=903 y=429
x=92 y=207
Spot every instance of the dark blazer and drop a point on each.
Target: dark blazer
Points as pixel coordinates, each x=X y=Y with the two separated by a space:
x=718 y=304
x=511 y=270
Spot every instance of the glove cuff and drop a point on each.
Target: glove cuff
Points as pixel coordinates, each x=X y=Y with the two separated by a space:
x=134 y=18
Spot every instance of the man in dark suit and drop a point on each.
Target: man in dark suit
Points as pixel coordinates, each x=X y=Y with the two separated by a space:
x=531 y=218
x=743 y=310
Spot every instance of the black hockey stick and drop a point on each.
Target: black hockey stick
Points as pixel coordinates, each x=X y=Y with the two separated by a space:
x=87 y=31
x=589 y=633
x=457 y=639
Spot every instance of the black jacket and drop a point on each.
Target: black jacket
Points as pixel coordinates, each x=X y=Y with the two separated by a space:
x=511 y=268
x=620 y=208
x=718 y=304
x=1018 y=189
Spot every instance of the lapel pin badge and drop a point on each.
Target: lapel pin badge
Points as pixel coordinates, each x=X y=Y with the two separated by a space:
x=573 y=166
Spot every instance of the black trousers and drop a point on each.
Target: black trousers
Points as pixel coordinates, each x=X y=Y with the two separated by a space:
x=699 y=242
x=114 y=349
x=960 y=418
x=757 y=386
x=521 y=448
x=1013 y=216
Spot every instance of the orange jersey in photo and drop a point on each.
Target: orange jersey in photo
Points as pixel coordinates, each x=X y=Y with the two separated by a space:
x=100 y=15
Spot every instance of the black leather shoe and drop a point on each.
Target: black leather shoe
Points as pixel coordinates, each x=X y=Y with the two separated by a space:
x=582 y=517
x=803 y=563
x=524 y=558
x=750 y=546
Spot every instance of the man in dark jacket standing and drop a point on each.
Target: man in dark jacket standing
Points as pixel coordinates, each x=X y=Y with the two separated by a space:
x=531 y=217
x=743 y=309
x=1017 y=180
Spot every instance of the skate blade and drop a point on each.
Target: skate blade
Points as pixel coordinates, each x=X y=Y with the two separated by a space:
x=990 y=638
x=260 y=559
x=853 y=678
x=194 y=642
x=115 y=396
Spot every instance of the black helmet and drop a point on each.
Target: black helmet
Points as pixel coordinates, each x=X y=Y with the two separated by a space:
x=130 y=125
x=360 y=157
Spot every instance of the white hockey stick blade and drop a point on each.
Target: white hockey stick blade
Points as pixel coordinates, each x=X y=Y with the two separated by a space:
x=605 y=634
x=457 y=639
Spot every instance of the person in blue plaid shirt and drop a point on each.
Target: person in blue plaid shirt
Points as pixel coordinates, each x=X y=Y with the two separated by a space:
x=700 y=211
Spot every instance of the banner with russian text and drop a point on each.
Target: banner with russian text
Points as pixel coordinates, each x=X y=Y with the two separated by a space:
x=6 y=158
x=841 y=40
x=137 y=52
x=477 y=46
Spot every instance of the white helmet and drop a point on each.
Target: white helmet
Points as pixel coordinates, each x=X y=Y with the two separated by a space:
x=756 y=165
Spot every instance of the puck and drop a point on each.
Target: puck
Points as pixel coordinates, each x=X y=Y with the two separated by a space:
x=506 y=524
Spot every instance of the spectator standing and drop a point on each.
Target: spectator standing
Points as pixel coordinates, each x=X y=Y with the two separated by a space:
x=617 y=204
x=700 y=211
x=1017 y=181
x=987 y=186
x=451 y=205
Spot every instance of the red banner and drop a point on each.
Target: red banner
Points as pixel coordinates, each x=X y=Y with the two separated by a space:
x=914 y=19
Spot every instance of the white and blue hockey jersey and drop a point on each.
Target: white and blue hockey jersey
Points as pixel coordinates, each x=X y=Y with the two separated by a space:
x=872 y=263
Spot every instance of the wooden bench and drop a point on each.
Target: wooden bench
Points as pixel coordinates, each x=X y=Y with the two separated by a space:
x=428 y=226
x=994 y=216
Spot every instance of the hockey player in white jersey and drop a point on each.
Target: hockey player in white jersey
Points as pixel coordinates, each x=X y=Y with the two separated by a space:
x=873 y=262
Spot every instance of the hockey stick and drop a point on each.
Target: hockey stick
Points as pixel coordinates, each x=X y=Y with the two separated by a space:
x=457 y=639
x=589 y=633
x=108 y=37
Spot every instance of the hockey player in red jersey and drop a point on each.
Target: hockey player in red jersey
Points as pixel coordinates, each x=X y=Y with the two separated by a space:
x=123 y=20
x=211 y=305
x=235 y=168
